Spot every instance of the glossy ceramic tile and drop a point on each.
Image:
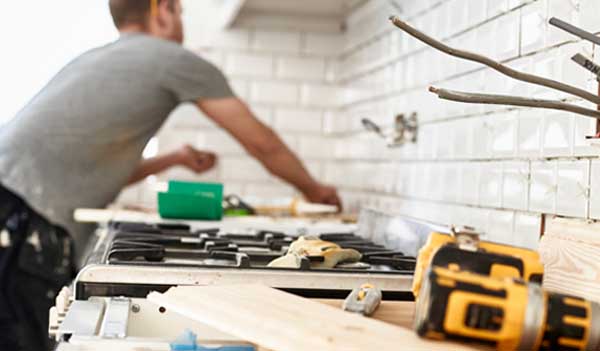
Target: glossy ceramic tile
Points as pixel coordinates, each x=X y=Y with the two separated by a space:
x=557 y=134
x=490 y=184
x=543 y=188
x=573 y=188
x=527 y=230
x=515 y=187
x=500 y=226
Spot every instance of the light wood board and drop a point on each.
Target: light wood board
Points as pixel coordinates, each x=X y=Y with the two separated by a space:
x=400 y=313
x=280 y=321
x=570 y=252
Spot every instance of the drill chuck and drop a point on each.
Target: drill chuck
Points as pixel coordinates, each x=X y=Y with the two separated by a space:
x=506 y=313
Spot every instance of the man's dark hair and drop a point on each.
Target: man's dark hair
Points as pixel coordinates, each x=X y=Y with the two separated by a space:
x=125 y=12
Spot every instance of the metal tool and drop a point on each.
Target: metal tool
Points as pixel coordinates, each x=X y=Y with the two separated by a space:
x=233 y=205
x=587 y=64
x=405 y=130
x=578 y=32
x=505 y=313
x=463 y=250
x=364 y=300
x=373 y=127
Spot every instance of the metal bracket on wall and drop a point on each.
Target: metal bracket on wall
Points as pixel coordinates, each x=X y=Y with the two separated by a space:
x=404 y=130
x=407 y=128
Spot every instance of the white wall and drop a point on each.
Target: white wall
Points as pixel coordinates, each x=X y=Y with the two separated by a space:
x=492 y=167
x=38 y=38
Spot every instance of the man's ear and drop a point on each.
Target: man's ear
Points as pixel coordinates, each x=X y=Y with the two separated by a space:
x=163 y=10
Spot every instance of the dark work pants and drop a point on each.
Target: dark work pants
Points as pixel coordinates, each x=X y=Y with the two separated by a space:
x=35 y=263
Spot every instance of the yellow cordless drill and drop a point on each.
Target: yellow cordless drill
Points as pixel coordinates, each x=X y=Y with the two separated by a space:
x=463 y=251
x=468 y=289
x=506 y=313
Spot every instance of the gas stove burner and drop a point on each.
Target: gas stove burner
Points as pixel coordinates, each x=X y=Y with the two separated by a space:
x=133 y=259
x=174 y=245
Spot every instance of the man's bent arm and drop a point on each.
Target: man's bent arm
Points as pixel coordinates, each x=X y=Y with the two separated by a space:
x=262 y=143
x=187 y=156
x=152 y=166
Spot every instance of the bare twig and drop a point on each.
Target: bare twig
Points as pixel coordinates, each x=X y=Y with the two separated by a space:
x=460 y=96
x=522 y=76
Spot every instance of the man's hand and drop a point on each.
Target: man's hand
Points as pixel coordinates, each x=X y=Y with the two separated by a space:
x=195 y=160
x=323 y=194
x=187 y=156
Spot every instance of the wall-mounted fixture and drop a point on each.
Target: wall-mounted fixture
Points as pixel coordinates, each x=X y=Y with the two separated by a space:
x=408 y=127
x=404 y=130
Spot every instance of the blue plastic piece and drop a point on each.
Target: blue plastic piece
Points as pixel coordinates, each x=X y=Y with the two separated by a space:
x=188 y=342
x=185 y=342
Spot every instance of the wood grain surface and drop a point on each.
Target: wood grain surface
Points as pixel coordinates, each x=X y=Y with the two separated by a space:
x=280 y=321
x=400 y=313
x=570 y=251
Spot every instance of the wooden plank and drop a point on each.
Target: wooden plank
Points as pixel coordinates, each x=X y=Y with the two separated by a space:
x=280 y=321
x=93 y=215
x=399 y=313
x=570 y=251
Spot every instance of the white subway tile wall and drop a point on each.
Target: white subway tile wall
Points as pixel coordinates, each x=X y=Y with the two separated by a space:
x=492 y=167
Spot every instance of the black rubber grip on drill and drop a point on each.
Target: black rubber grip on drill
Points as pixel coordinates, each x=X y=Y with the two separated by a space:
x=474 y=261
x=557 y=328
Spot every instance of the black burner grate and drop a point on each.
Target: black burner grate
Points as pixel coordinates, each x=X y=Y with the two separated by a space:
x=176 y=244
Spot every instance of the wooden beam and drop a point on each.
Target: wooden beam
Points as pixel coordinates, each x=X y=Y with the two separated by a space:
x=570 y=252
x=280 y=321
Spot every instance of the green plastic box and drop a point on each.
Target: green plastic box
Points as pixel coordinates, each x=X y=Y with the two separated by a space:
x=189 y=200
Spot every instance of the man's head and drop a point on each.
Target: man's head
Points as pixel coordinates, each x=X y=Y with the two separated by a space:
x=161 y=18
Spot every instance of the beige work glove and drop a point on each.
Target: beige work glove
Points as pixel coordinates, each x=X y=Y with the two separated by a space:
x=332 y=254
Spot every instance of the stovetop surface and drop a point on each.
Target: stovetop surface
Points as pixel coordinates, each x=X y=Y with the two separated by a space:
x=177 y=245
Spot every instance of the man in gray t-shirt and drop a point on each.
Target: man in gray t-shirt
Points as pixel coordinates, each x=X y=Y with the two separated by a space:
x=80 y=140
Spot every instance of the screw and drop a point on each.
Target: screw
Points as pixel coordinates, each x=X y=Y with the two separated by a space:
x=135 y=308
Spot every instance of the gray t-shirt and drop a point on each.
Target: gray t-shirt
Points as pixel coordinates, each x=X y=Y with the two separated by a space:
x=79 y=140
